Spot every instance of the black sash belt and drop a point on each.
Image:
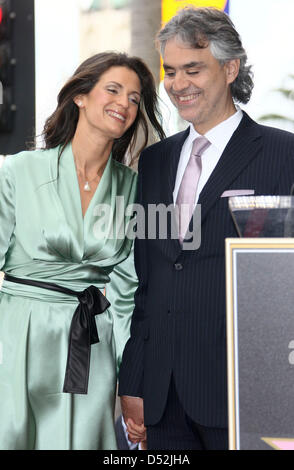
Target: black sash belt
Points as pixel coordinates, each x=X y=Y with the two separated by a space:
x=83 y=331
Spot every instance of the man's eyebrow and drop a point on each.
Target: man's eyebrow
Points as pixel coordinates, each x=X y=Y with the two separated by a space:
x=190 y=65
x=193 y=64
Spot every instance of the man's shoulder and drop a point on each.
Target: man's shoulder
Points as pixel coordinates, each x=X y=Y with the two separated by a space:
x=276 y=133
x=164 y=145
x=277 y=142
x=273 y=133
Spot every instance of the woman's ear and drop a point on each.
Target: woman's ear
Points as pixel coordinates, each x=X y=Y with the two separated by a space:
x=78 y=100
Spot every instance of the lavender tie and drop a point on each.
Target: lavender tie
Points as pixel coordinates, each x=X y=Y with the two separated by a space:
x=189 y=183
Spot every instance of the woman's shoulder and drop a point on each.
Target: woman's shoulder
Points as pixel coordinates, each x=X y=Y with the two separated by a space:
x=28 y=159
x=124 y=170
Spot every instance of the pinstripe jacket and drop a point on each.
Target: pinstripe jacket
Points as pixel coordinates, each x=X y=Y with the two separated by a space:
x=179 y=324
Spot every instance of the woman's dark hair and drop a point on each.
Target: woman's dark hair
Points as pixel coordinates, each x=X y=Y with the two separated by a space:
x=60 y=127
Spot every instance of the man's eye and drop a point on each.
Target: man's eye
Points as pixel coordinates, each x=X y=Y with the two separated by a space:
x=170 y=74
x=192 y=72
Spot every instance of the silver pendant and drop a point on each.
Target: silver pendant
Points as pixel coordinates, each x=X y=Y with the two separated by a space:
x=87 y=186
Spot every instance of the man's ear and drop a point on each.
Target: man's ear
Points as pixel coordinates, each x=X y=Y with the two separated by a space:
x=232 y=69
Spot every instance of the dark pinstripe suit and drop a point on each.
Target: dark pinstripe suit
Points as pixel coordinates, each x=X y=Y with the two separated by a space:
x=178 y=325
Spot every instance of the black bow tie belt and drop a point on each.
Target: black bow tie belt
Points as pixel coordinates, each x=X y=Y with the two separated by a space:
x=83 y=331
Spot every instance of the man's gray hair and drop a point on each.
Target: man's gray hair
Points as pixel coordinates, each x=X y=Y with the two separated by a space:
x=202 y=27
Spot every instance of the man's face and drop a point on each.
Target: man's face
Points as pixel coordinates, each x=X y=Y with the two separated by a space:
x=198 y=85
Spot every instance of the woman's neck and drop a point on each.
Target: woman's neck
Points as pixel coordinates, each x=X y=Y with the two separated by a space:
x=90 y=152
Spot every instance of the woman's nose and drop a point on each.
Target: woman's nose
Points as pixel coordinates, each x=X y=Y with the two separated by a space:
x=123 y=100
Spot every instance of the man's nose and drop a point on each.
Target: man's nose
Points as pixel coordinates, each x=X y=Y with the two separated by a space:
x=180 y=82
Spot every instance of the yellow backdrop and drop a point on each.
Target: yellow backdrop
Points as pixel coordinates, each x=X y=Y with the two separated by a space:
x=170 y=7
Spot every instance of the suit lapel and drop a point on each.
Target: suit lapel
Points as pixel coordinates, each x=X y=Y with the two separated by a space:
x=243 y=147
x=168 y=168
x=169 y=165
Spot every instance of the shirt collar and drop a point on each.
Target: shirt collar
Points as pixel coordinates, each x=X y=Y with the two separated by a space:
x=219 y=135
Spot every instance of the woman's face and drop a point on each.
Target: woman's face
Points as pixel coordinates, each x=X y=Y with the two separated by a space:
x=111 y=106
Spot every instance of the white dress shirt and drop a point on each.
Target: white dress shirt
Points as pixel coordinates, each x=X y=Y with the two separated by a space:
x=219 y=137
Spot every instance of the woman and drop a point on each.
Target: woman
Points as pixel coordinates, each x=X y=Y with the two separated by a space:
x=61 y=340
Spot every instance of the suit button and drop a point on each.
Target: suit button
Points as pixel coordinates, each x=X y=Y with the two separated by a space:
x=178 y=267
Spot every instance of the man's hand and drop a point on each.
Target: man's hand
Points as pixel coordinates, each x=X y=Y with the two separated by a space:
x=136 y=432
x=133 y=413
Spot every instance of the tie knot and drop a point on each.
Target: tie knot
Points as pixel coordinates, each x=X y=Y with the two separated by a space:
x=200 y=144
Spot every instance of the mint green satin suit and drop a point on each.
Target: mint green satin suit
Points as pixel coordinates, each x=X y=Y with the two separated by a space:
x=43 y=236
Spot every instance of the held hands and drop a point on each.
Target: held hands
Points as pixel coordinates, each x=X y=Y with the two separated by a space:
x=137 y=433
x=133 y=413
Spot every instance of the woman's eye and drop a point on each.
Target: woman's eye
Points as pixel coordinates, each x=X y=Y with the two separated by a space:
x=112 y=90
x=134 y=100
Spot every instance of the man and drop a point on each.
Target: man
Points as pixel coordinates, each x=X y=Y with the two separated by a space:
x=175 y=360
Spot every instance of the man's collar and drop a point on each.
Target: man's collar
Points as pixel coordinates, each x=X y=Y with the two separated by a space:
x=220 y=134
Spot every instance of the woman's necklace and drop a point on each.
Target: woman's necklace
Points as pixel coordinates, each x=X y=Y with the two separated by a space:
x=87 y=186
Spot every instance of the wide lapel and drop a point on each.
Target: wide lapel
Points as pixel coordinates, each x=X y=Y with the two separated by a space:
x=168 y=170
x=169 y=164
x=243 y=147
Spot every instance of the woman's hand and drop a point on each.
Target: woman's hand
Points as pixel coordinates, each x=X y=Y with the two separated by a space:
x=136 y=432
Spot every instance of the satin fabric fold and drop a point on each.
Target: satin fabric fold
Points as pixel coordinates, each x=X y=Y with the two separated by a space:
x=43 y=236
x=82 y=334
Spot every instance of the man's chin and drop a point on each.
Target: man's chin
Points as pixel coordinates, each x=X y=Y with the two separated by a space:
x=189 y=117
